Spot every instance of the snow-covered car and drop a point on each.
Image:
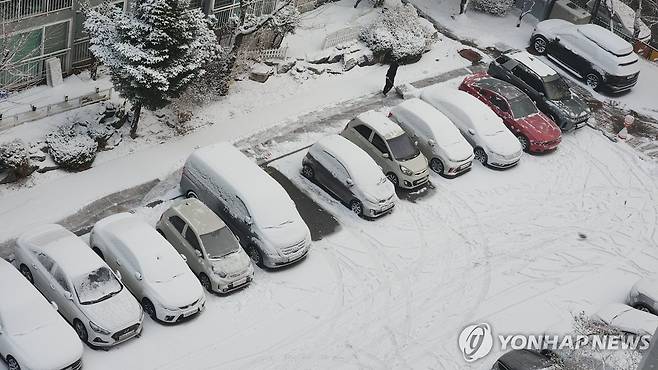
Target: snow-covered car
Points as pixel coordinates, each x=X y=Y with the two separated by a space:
x=535 y=131
x=523 y=359
x=390 y=147
x=210 y=247
x=87 y=293
x=627 y=319
x=253 y=205
x=347 y=172
x=544 y=86
x=622 y=17
x=33 y=336
x=493 y=144
x=644 y=296
x=592 y=53
x=149 y=266
x=438 y=138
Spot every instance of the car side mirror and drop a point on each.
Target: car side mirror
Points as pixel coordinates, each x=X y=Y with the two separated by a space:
x=198 y=253
x=416 y=143
x=471 y=131
x=183 y=257
x=349 y=182
x=54 y=305
x=385 y=155
x=249 y=221
x=138 y=276
x=431 y=142
x=68 y=295
x=118 y=274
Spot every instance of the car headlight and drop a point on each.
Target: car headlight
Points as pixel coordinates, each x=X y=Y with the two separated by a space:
x=98 y=329
x=405 y=170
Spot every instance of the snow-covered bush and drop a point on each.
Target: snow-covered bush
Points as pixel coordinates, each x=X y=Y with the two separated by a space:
x=15 y=157
x=71 y=148
x=100 y=132
x=397 y=35
x=495 y=7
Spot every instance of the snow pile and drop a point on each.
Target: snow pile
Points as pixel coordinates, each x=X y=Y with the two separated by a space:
x=14 y=155
x=398 y=35
x=71 y=149
x=495 y=7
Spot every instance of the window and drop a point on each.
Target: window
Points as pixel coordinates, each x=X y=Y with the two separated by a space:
x=363 y=130
x=529 y=78
x=337 y=169
x=240 y=209
x=45 y=261
x=379 y=143
x=502 y=59
x=499 y=103
x=56 y=37
x=61 y=279
x=191 y=238
x=178 y=223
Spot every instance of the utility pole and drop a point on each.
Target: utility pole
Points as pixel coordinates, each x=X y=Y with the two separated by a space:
x=650 y=360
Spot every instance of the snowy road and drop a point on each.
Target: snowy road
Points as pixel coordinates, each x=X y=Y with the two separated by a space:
x=495 y=246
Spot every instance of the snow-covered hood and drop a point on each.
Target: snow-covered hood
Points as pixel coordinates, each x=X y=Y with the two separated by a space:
x=288 y=234
x=503 y=143
x=648 y=288
x=572 y=108
x=54 y=346
x=379 y=192
x=417 y=164
x=538 y=127
x=459 y=150
x=183 y=290
x=115 y=313
x=232 y=263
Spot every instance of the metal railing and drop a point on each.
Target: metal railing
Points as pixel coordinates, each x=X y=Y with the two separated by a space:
x=341 y=36
x=279 y=53
x=29 y=71
x=80 y=53
x=18 y=9
x=48 y=110
x=305 y=5
x=257 y=8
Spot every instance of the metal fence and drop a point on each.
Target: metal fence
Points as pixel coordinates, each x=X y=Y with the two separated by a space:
x=257 y=7
x=80 y=53
x=279 y=53
x=16 y=9
x=305 y=5
x=29 y=71
x=48 y=110
x=341 y=36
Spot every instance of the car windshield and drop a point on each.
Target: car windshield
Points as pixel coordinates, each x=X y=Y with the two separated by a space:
x=556 y=88
x=219 y=243
x=402 y=148
x=96 y=286
x=522 y=106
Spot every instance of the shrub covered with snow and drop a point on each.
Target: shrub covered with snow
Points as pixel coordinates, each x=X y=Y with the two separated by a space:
x=71 y=148
x=15 y=156
x=495 y=7
x=397 y=35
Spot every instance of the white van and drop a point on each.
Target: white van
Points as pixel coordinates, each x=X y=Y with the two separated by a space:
x=149 y=266
x=438 y=138
x=254 y=206
x=494 y=145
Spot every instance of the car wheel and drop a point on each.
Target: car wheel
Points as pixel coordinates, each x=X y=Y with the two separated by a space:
x=357 y=207
x=393 y=178
x=525 y=143
x=539 y=44
x=642 y=307
x=593 y=80
x=149 y=308
x=307 y=171
x=12 y=364
x=99 y=253
x=480 y=156
x=437 y=166
x=205 y=282
x=80 y=330
x=255 y=255
x=191 y=194
x=26 y=272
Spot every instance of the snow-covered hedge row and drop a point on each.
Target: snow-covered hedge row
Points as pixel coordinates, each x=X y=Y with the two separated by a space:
x=15 y=156
x=397 y=35
x=495 y=7
x=71 y=148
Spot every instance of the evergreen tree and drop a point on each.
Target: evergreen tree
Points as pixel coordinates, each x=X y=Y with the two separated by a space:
x=154 y=52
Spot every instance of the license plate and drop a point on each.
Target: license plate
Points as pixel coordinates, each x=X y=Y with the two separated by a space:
x=240 y=282
x=127 y=335
x=188 y=314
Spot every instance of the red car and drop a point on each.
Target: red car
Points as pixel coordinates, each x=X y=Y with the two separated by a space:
x=535 y=131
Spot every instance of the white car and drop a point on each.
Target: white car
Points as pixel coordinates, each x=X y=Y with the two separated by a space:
x=87 y=293
x=149 y=266
x=644 y=296
x=438 y=138
x=493 y=143
x=349 y=173
x=33 y=336
x=628 y=319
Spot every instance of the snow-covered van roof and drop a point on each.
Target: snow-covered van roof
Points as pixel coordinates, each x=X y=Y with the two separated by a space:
x=381 y=124
x=421 y=112
x=534 y=64
x=460 y=105
x=349 y=154
x=605 y=39
x=199 y=216
x=65 y=248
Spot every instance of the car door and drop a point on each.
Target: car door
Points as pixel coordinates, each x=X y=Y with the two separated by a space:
x=193 y=244
x=40 y=268
x=379 y=149
x=502 y=109
x=340 y=176
x=567 y=51
x=362 y=135
x=530 y=83
x=177 y=228
x=63 y=289
x=322 y=174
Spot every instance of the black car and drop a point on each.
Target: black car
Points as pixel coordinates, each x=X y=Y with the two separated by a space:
x=523 y=359
x=544 y=86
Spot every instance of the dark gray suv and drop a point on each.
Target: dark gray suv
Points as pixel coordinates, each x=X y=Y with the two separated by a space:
x=545 y=87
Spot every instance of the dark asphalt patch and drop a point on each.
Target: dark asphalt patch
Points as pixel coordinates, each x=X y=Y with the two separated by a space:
x=319 y=221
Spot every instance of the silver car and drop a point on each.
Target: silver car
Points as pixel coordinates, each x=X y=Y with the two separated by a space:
x=212 y=251
x=644 y=296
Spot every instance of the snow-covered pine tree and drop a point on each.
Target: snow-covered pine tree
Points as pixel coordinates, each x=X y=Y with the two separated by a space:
x=154 y=52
